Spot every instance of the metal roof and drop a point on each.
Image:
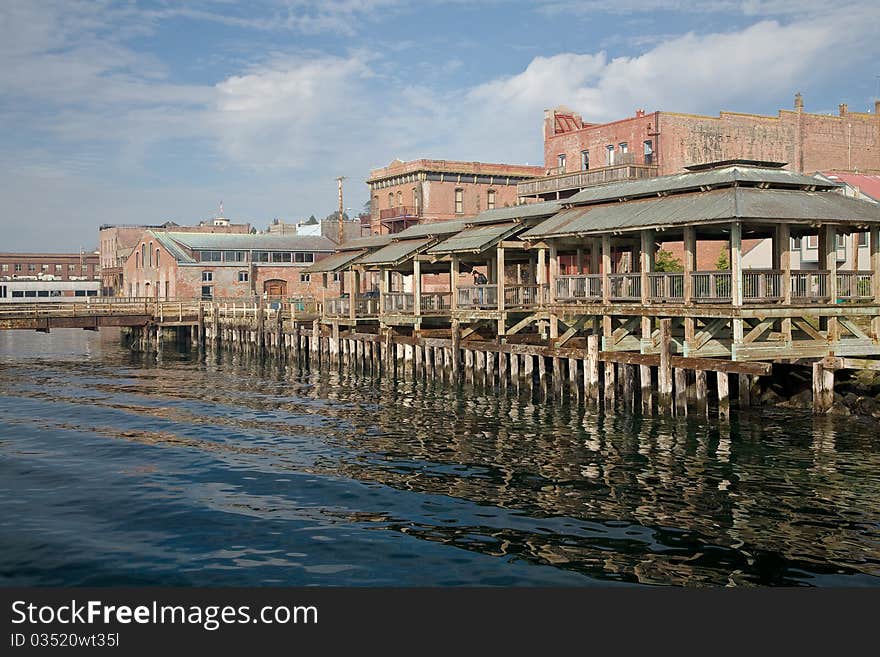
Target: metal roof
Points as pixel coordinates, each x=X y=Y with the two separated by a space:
x=693 y=180
x=171 y=246
x=730 y=204
x=246 y=242
x=371 y=242
x=525 y=211
x=433 y=228
x=335 y=262
x=475 y=240
x=396 y=252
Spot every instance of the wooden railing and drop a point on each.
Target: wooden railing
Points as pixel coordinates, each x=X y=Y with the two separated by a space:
x=366 y=306
x=762 y=285
x=525 y=296
x=337 y=307
x=666 y=287
x=711 y=286
x=625 y=287
x=478 y=296
x=436 y=302
x=399 y=211
x=557 y=181
x=579 y=288
x=810 y=286
x=855 y=285
x=398 y=302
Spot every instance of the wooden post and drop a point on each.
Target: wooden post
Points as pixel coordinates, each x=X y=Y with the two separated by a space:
x=610 y=387
x=645 y=262
x=417 y=286
x=874 y=243
x=480 y=363
x=591 y=371
x=502 y=369
x=554 y=271
x=782 y=241
x=383 y=289
x=690 y=253
x=542 y=370
x=606 y=268
x=723 y=395
x=573 y=376
x=745 y=391
x=456 y=348
x=702 y=392
x=490 y=369
x=646 y=388
x=500 y=284
x=541 y=274
x=664 y=374
x=736 y=280
x=628 y=388
x=823 y=389
x=680 y=391
x=830 y=258
x=514 y=369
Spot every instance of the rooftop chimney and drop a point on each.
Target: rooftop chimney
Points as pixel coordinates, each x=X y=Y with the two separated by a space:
x=640 y=113
x=798 y=101
x=842 y=109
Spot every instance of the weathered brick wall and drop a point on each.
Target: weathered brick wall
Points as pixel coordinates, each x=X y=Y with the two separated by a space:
x=136 y=277
x=634 y=131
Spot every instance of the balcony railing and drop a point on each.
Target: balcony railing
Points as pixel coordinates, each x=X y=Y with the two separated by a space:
x=762 y=285
x=579 y=288
x=625 y=287
x=525 y=296
x=855 y=285
x=337 y=307
x=558 y=181
x=399 y=211
x=478 y=296
x=399 y=302
x=367 y=306
x=810 y=286
x=666 y=287
x=436 y=302
x=711 y=286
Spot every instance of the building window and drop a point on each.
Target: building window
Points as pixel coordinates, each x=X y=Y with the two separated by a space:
x=151 y=254
x=399 y=199
x=861 y=240
x=261 y=256
x=624 y=147
x=459 y=201
x=32 y=267
x=375 y=203
x=85 y=269
x=157 y=257
x=560 y=162
x=207 y=292
x=281 y=256
x=44 y=268
x=210 y=256
x=305 y=278
x=336 y=277
x=57 y=269
x=243 y=277
x=137 y=261
x=609 y=154
x=72 y=268
x=303 y=257
x=207 y=276
x=490 y=199
x=18 y=266
x=143 y=255
x=812 y=241
x=5 y=267
x=797 y=242
x=649 y=151
x=234 y=256
x=585 y=160
x=391 y=200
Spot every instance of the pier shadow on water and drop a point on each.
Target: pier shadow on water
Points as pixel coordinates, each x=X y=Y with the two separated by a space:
x=224 y=469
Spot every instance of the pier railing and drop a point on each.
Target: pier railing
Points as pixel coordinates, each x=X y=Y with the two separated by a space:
x=398 y=302
x=625 y=287
x=525 y=296
x=579 y=288
x=712 y=286
x=337 y=307
x=666 y=287
x=436 y=302
x=762 y=285
x=855 y=285
x=810 y=286
x=478 y=296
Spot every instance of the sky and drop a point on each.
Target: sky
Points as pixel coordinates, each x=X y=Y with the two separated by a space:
x=128 y=112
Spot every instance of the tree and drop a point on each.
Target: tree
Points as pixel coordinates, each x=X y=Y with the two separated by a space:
x=311 y=221
x=723 y=261
x=665 y=261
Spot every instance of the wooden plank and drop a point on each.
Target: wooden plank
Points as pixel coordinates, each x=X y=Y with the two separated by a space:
x=759 y=330
x=805 y=326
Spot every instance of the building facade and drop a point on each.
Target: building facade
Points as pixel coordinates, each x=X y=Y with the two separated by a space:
x=671 y=141
x=423 y=191
x=175 y=265
x=117 y=241
x=48 y=276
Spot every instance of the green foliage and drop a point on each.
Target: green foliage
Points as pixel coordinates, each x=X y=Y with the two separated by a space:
x=665 y=261
x=723 y=261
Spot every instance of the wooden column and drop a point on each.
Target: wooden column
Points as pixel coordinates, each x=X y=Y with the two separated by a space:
x=830 y=260
x=723 y=395
x=610 y=388
x=680 y=391
x=554 y=270
x=501 y=281
x=874 y=265
x=664 y=374
x=417 y=286
x=701 y=391
x=456 y=349
x=823 y=389
x=383 y=289
x=782 y=242
x=595 y=255
x=353 y=293
x=646 y=261
x=646 y=388
x=606 y=268
x=736 y=292
x=453 y=282
x=580 y=260
x=688 y=262
x=591 y=368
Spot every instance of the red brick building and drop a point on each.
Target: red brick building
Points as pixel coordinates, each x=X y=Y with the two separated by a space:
x=174 y=265
x=848 y=141
x=117 y=241
x=422 y=191
x=50 y=266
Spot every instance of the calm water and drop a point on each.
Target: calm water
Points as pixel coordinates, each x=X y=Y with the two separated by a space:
x=116 y=469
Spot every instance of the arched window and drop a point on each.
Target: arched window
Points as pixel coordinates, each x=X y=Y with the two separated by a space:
x=137 y=260
x=399 y=199
x=151 y=254
x=157 y=257
x=144 y=254
x=391 y=200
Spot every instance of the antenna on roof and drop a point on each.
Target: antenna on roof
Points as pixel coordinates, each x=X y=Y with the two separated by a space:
x=220 y=216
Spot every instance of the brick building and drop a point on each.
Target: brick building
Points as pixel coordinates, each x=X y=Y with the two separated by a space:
x=117 y=241
x=671 y=141
x=423 y=191
x=171 y=265
x=83 y=266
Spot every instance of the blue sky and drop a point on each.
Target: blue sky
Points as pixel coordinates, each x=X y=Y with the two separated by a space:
x=142 y=112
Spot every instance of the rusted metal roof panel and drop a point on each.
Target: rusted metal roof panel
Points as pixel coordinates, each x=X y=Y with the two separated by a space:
x=475 y=240
x=396 y=252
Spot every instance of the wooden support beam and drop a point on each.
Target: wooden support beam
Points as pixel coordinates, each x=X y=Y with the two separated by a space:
x=701 y=392
x=723 y=395
x=591 y=368
x=745 y=390
x=664 y=377
x=758 y=330
x=823 y=389
x=680 y=391
x=521 y=324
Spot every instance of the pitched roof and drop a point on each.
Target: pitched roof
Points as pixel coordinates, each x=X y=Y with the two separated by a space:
x=725 y=176
x=396 y=252
x=475 y=240
x=246 y=242
x=333 y=263
x=515 y=212
x=433 y=228
x=720 y=205
x=171 y=246
x=371 y=242
x=868 y=185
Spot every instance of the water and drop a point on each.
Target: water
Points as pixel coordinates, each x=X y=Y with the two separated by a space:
x=118 y=470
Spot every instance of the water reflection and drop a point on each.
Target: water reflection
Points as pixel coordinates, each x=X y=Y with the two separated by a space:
x=524 y=489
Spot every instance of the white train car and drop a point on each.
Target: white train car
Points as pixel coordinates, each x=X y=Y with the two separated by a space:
x=19 y=291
